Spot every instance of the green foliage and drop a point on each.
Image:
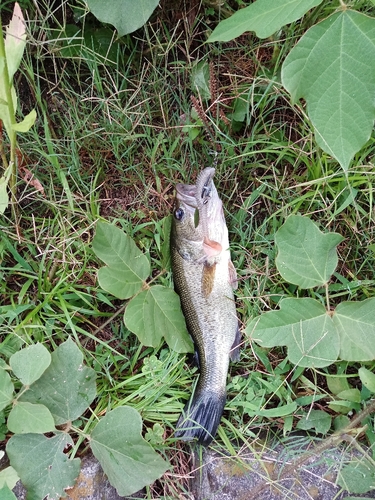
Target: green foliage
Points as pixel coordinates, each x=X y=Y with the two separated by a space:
x=306 y=257
x=265 y=17
x=152 y=313
x=125 y=15
x=11 y=52
x=367 y=378
x=69 y=396
x=31 y=454
x=314 y=335
x=155 y=313
x=7 y=494
x=127 y=267
x=58 y=389
x=304 y=326
x=316 y=419
x=29 y=364
x=357 y=476
x=30 y=417
x=127 y=459
x=330 y=67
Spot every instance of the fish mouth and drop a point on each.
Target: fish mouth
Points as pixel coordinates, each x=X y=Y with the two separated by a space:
x=198 y=194
x=205 y=188
x=186 y=193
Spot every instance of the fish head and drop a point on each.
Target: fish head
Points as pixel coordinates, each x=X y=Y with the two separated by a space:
x=211 y=214
x=186 y=215
x=199 y=225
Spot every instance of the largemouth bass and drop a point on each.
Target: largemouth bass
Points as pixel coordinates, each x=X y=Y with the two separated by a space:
x=204 y=278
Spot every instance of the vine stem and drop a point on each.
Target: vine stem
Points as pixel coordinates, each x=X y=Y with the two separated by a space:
x=327 y=298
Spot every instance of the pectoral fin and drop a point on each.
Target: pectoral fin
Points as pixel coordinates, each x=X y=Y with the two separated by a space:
x=208 y=278
x=211 y=248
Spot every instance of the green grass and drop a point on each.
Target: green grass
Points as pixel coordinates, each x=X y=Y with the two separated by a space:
x=111 y=140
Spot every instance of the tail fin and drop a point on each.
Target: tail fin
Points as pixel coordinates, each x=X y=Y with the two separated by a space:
x=201 y=417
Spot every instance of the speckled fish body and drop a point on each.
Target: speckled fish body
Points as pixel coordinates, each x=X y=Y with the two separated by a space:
x=204 y=278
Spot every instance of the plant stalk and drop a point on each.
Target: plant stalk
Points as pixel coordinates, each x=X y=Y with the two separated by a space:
x=11 y=133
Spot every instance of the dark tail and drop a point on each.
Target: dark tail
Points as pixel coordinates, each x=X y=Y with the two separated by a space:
x=201 y=417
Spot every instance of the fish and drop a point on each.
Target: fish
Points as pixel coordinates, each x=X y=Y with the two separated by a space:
x=205 y=278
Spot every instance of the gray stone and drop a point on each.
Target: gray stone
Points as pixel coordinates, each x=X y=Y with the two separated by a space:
x=263 y=474
x=256 y=473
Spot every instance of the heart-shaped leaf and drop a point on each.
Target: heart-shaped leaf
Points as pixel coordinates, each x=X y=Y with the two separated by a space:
x=67 y=387
x=331 y=67
x=156 y=313
x=45 y=470
x=28 y=417
x=302 y=325
x=125 y=15
x=265 y=17
x=367 y=378
x=306 y=256
x=127 y=267
x=30 y=363
x=358 y=476
x=128 y=460
x=316 y=419
x=8 y=477
x=6 y=389
x=355 y=323
x=7 y=494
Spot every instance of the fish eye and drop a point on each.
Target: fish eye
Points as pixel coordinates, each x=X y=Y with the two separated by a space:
x=179 y=213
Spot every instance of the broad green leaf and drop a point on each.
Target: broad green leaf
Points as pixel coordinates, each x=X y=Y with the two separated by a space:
x=280 y=411
x=367 y=378
x=337 y=384
x=127 y=459
x=30 y=363
x=306 y=256
x=357 y=476
x=28 y=417
x=26 y=124
x=353 y=395
x=7 y=494
x=4 y=197
x=125 y=15
x=265 y=17
x=315 y=419
x=355 y=323
x=201 y=79
x=302 y=325
x=6 y=389
x=331 y=67
x=127 y=267
x=8 y=477
x=67 y=387
x=45 y=470
x=340 y=422
x=5 y=116
x=156 y=313
x=15 y=41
